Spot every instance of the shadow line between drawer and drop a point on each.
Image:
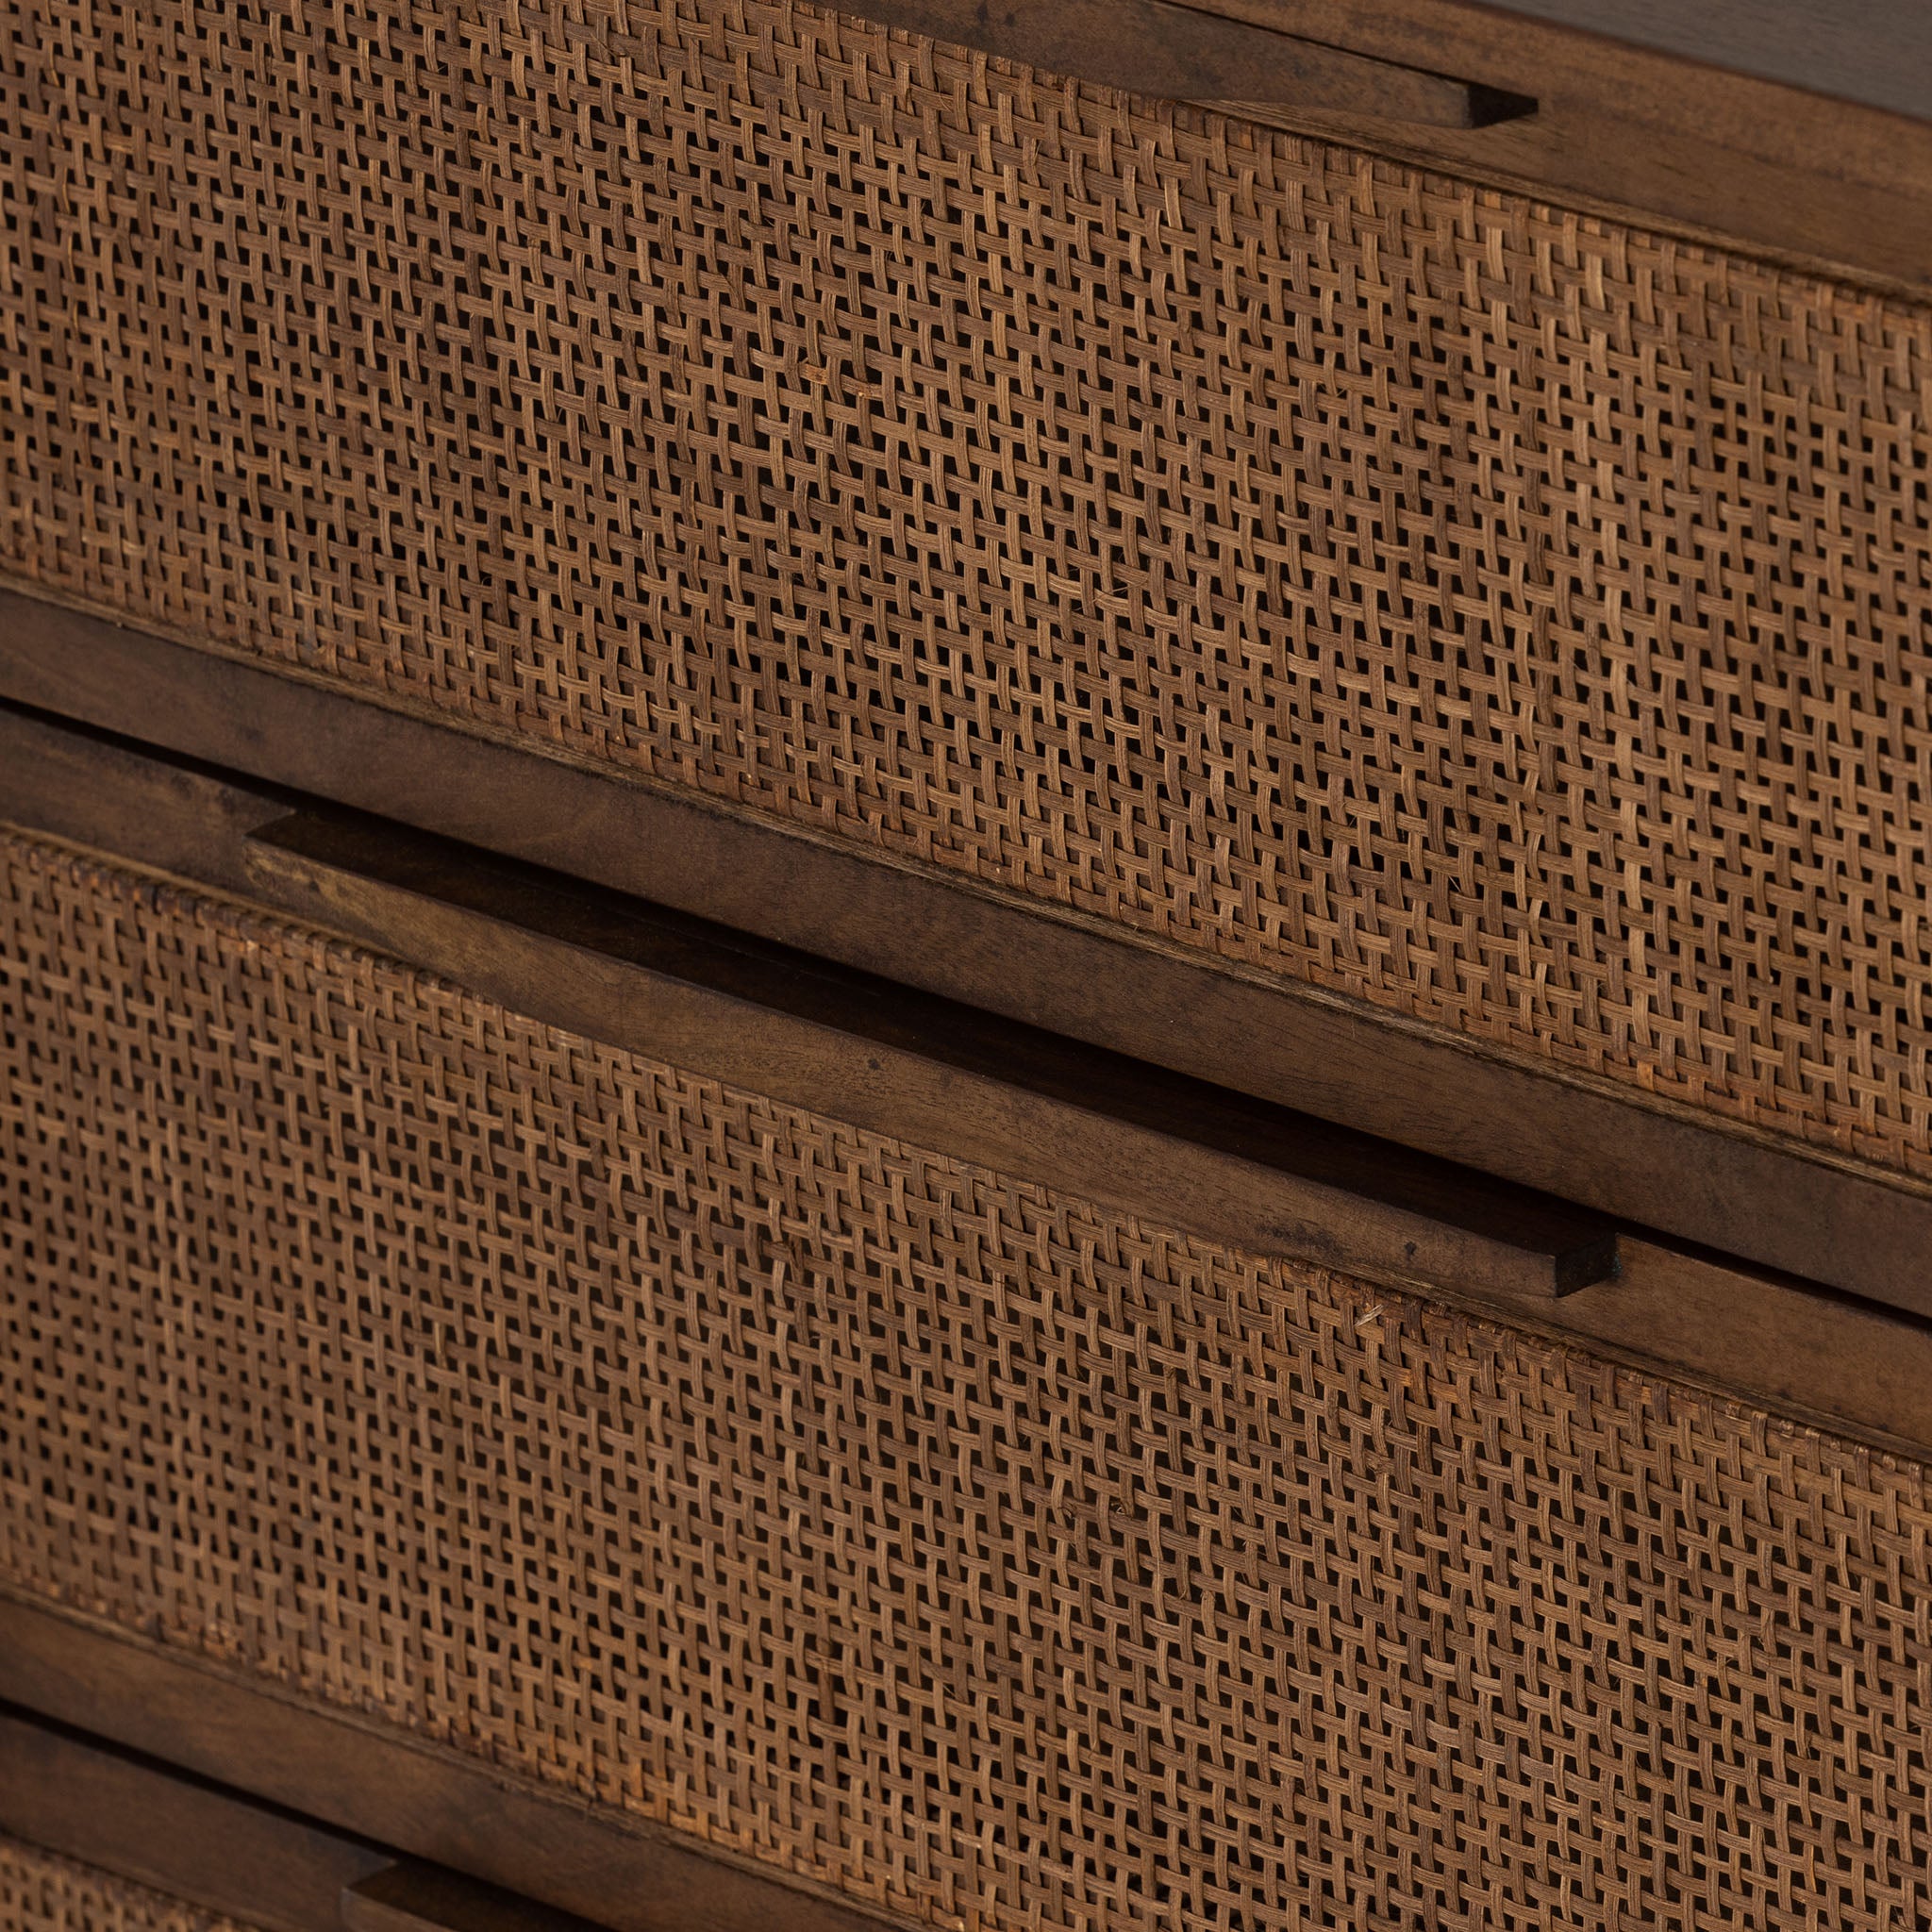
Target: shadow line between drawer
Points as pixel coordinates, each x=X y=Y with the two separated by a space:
x=1771 y=1201
x=810 y=1033
x=1170 y=1149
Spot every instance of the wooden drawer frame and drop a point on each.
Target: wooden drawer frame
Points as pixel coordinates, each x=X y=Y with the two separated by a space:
x=167 y=1827
x=905 y=1065
x=1646 y=1162
x=939 y=1073
x=1649 y=1022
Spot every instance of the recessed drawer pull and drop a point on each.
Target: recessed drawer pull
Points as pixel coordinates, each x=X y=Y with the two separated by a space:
x=407 y=1897
x=923 y=1070
x=1179 y=53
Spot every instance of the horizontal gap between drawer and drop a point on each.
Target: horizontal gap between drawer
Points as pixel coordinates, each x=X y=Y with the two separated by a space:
x=287 y=1818
x=970 y=1085
x=178 y=1834
x=809 y=1033
x=1771 y=1201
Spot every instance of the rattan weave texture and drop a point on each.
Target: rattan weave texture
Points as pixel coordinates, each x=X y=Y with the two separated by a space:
x=1516 y=620
x=40 y=1892
x=984 y=1554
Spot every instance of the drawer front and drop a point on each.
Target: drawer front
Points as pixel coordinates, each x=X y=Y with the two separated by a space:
x=98 y=1839
x=1335 y=571
x=979 y=1550
x=40 y=1892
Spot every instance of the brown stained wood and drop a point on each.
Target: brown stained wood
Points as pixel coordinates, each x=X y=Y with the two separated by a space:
x=425 y=1898
x=1498 y=319
x=938 y=1074
x=932 y=1073
x=1699 y=118
x=180 y=1836
x=354 y=1774
x=375 y=1783
x=863 y=1049
x=1875 y=52
x=691 y=1443
x=1379 y=350
x=1849 y=1225
x=1834 y=1360
x=1154 y=47
x=174 y=815
x=1787 y=126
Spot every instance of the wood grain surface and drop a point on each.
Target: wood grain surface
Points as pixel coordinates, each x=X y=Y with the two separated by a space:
x=1798 y=128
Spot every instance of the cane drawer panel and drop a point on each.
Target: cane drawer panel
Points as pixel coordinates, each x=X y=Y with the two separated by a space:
x=986 y=1555
x=1513 y=618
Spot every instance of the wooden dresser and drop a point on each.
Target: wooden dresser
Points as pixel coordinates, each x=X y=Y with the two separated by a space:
x=965 y=967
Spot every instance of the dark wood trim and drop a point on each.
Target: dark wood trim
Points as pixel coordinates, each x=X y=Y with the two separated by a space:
x=925 y=1070
x=1871 y=53
x=903 y=1063
x=356 y=1786
x=201 y=1842
x=1768 y=126
x=1191 y=52
x=1817 y=1357
x=1779 y=126
x=1862 y=54
x=174 y=1834
x=412 y=1897
x=1774 y=1203
x=909 y=1064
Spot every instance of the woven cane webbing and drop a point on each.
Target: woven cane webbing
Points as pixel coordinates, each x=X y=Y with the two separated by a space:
x=1516 y=620
x=43 y=1892
x=979 y=1552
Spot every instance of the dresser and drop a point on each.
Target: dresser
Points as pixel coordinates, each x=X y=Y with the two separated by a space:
x=965 y=966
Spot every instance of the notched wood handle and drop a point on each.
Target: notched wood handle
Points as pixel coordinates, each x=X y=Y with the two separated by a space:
x=407 y=1897
x=923 y=1070
x=1181 y=53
